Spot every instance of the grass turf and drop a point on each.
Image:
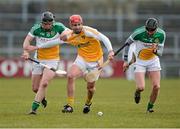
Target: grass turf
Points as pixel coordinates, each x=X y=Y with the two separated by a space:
x=114 y=97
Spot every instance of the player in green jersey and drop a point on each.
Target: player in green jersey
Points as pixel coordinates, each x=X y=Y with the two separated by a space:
x=149 y=43
x=43 y=32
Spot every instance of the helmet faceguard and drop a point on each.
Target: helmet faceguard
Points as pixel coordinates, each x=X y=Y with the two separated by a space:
x=47 y=17
x=151 y=24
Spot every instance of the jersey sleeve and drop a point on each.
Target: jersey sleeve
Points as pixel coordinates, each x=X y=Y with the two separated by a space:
x=126 y=49
x=162 y=38
x=161 y=43
x=60 y=27
x=133 y=37
x=136 y=35
x=91 y=32
x=32 y=32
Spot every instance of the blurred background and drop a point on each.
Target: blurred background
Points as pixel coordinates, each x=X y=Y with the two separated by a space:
x=115 y=18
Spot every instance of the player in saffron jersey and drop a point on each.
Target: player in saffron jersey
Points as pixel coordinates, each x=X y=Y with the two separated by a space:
x=90 y=56
x=149 y=43
x=43 y=32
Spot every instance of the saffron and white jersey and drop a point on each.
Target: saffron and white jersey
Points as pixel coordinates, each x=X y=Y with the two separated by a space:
x=88 y=43
x=43 y=36
x=143 y=43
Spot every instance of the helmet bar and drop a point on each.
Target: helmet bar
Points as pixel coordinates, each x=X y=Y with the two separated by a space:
x=47 y=17
x=151 y=24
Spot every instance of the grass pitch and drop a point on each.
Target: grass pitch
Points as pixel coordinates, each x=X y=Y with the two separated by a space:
x=114 y=97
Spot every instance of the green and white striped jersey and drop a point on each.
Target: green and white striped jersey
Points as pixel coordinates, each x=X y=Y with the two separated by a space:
x=143 y=43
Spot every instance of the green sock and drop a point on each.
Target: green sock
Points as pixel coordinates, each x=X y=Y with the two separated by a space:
x=150 y=106
x=35 y=105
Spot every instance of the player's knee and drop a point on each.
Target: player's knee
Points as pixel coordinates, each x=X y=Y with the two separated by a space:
x=91 y=87
x=140 y=88
x=34 y=89
x=156 y=87
x=45 y=83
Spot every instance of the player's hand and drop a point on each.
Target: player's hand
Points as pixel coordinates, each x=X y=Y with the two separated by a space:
x=65 y=35
x=154 y=47
x=25 y=55
x=111 y=55
x=125 y=66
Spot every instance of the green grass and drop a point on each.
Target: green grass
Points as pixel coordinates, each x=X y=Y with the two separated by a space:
x=114 y=97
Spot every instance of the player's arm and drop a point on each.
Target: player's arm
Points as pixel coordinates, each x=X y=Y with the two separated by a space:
x=129 y=41
x=27 y=47
x=66 y=35
x=29 y=38
x=107 y=44
x=160 y=47
x=101 y=37
x=126 y=65
x=58 y=41
x=54 y=42
x=51 y=43
x=27 y=43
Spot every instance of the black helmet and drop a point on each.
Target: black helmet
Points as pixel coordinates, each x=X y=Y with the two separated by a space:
x=151 y=24
x=47 y=17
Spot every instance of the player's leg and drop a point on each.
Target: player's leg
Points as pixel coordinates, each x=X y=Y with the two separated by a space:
x=140 y=85
x=154 y=75
x=155 y=82
x=36 y=78
x=91 y=85
x=46 y=77
x=90 y=92
x=140 y=81
x=72 y=74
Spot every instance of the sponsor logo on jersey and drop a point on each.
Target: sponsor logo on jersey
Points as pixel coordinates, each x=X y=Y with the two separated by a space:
x=156 y=40
x=83 y=44
x=48 y=34
x=147 y=44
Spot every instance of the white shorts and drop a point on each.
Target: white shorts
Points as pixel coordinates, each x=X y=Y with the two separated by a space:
x=150 y=65
x=87 y=66
x=38 y=69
